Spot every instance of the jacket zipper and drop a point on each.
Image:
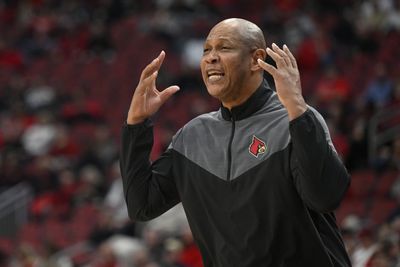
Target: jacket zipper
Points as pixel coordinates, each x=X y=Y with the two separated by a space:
x=230 y=149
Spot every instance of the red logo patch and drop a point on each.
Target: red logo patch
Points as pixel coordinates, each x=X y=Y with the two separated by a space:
x=257 y=147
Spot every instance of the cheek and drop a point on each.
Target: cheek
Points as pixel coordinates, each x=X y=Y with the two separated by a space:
x=235 y=67
x=202 y=67
x=242 y=68
x=234 y=72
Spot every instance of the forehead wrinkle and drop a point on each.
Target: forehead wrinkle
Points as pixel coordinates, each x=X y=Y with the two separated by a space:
x=221 y=38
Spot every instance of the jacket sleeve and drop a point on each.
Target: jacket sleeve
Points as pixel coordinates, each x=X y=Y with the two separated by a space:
x=319 y=175
x=149 y=188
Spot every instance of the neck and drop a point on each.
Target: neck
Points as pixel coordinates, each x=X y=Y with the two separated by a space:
x=244 y=95
x=254 y=103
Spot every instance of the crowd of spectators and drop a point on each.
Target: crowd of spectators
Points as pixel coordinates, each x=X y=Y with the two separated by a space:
x=67 y=73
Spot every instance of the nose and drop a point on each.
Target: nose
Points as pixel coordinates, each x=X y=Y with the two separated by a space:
x=212 y=57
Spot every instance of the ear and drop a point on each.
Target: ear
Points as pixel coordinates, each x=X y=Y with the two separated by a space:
x=257 y=54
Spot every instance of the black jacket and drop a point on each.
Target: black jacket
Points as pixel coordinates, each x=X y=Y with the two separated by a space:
x=257 y=189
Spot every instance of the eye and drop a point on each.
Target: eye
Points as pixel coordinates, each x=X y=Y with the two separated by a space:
x=205 y=51
x=225 y=48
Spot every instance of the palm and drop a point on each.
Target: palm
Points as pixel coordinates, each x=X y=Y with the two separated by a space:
x=152 y=101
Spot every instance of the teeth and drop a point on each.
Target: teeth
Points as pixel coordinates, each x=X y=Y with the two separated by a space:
x=215 y=77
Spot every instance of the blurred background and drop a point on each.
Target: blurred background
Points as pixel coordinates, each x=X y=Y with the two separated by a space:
x=67 y=73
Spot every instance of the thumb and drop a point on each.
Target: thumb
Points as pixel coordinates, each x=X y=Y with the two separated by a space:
x=168 y=92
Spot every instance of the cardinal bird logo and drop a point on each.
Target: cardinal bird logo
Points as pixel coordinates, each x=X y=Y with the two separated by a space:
x=257 y=147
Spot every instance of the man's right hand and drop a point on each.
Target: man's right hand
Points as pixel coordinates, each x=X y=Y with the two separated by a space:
x=147 y=99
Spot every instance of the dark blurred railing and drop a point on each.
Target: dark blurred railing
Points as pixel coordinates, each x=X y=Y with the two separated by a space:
x=384 y=127
x=14 y=205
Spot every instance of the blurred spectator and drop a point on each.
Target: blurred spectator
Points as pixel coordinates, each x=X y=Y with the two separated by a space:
x=395 y=97
x=378 y=259
x=373 y=14
x=191 y=54
x=12 y=95
x=40 y=96
x=358 y=149
x=103 y=230
x=128 y=251
x=393 y=17
x=365 y=249
x=99 y=42
x=114 y=200
x=105 y=257
x=64 y=147
x=154 y=241
x=163 y=25
x=172 y=252
x=333 y=86
x=379 y=90
x=190 y=255
x=26 y=256
x=91 y=187
x=39 y=137
x=104 y=144
x=10 y=58
x=80 y=109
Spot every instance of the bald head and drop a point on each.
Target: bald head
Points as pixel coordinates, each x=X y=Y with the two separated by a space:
x=247 y=32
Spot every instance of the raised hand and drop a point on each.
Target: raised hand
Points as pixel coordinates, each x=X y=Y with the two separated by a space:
x=287 y=79
x=147 y=99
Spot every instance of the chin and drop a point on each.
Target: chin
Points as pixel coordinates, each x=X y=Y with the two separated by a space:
x=215 y=91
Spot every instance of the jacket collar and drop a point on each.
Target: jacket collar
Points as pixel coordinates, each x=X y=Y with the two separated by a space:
x=250 y=106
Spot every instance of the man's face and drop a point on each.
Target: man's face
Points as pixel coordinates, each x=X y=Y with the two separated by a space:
x=225 y=65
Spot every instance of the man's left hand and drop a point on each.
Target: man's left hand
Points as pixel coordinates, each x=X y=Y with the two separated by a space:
x=287 y=79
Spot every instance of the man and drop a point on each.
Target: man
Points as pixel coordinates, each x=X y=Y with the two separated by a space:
x=259 y=178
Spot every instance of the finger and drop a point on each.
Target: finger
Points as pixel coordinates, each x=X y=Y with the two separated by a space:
x=292 y=58
x=149 y=70
x=161 y=57
x=153 y=66
x=282 y=53
x=150 y=82
x=267 y=67
x=146 y=84
x=280 y=62
x=168 y=92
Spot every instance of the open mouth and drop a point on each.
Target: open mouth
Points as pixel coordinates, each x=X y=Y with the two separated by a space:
x=214 y=76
